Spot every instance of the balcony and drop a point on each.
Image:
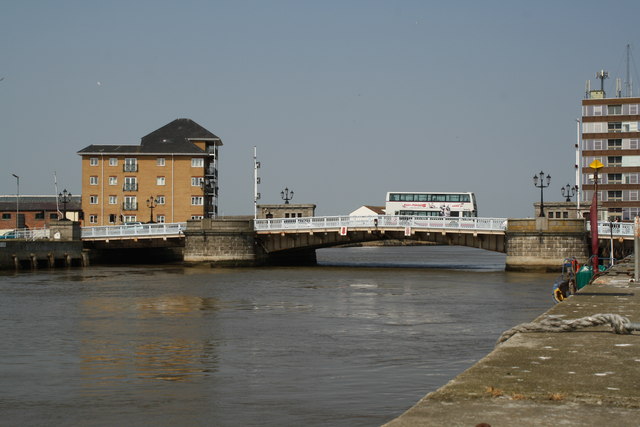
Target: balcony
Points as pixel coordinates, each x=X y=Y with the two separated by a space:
x=130 y=187
x=129 y=206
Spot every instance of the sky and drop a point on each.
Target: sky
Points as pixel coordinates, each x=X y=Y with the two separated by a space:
x=344 y=100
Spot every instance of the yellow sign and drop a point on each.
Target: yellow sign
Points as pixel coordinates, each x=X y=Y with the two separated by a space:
x=596 y=164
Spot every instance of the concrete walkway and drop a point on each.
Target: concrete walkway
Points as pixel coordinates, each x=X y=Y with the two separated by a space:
x=589 y=377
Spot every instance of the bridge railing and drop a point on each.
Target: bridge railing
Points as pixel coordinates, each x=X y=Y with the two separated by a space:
x=107 y=231
x=381 y=221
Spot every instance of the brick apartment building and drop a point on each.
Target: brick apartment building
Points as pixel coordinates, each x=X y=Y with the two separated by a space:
x=610 y=134
x=172 y=176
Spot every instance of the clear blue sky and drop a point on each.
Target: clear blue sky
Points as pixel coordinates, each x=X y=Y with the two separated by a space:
x=345 y=100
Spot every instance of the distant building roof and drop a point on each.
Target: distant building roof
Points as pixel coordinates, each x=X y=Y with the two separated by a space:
x=37 y=203
x=377 y=210
x=172 y=138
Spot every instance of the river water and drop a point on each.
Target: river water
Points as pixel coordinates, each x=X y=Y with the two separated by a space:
x=353 y=342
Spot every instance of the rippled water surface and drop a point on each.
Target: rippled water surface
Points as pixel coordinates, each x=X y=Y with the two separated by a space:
x=352 y=342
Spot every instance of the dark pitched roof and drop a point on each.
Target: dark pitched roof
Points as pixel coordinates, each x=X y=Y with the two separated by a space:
x=174 y=137
x=37 y=203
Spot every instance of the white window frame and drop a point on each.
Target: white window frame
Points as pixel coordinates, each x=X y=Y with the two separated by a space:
x=113 y=180
x=113 y=161
x=160 y=218
x=197 y=201
x=93 y=161
x=93 y=180
x=129 y=218
x=160 y=161
x=197 y=162
x=160 y=200
x=93 y=219
x=161 y=180
x=197 y=216
x=113 y=200
x=196 y=181
x=93 y=199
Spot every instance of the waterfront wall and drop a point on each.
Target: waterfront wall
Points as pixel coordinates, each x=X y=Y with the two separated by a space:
x=541 y=244
x=20 y=254
x=222 y=242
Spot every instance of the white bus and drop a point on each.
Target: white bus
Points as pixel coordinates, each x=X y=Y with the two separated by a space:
x=431 y=204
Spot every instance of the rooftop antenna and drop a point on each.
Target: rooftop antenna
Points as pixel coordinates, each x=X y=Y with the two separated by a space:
x=618 y=87
x=628 y=83
x=587 y=88
x=602 y=74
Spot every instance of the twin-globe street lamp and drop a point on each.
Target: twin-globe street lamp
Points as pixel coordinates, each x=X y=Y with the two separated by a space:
x=568 y=191
x=151 y=203
x=286 y=195
x=64 y=198
x=542 y=186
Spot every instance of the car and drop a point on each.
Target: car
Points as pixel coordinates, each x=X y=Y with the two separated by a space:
x=136 y=225
x=9 y=235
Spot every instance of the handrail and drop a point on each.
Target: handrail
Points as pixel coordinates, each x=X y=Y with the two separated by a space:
x=381 y=221
x=160 y=229
x=618 y=229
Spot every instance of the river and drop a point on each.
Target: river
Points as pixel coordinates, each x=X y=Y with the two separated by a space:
x=354 y=341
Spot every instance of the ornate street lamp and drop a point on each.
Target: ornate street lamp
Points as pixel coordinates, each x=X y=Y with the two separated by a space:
x=568 y=191
x=151 y=203
x=64 y=198
x=286 y=195
x=541 y=178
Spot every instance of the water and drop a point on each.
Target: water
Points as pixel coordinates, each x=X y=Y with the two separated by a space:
x=353 y=342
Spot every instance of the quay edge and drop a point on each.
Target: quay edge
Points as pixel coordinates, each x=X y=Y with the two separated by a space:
x=585 y=377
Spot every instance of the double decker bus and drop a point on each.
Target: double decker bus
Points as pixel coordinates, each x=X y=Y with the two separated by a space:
x=431 y=204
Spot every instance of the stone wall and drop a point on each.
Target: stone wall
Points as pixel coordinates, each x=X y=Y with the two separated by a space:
x=543 y=244
x=222 y=242
x=20 y=254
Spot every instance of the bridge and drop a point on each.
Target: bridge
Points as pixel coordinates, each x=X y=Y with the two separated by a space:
x=133 y=231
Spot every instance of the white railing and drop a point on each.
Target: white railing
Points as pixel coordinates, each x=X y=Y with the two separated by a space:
x=107 y=231
x=27 y=234
x=382 y=221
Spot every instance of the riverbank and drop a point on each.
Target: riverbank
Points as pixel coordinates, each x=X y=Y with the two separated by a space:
x=585 y=377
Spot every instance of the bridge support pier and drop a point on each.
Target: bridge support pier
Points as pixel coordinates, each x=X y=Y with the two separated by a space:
x=222 y=243
x=542 y=244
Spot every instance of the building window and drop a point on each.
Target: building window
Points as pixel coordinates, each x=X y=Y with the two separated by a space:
x=93 y=219
x=113 y=161
x=39 y=215
x=614 y=144
x=93 y=180
x=160 y=219
x=633 y=195
x=614 y=110
x=614 y=178
x=113 y=218
x=93 y=161
x=93 y=200
x=130 y=164
x=633 y=109
x=160 y=200
x=130 y=203
x=113 y=180
x=197 y=201
x=614 y=195
x=113 y=200
x=129 y=218
x=196 y=181
x=6 y=216
x=130 y=183
x=614 y=127
x=53 y=216
x=160 y=161
x=614 y=161
x=197 y=162
x=197 y=217
x=160 y=180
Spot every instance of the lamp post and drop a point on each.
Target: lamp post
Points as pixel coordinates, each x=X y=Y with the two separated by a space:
x=568 y=191
x=17 y=199
x=64 y=198
x=286 y=195
x=151 y=203
x=542 y=186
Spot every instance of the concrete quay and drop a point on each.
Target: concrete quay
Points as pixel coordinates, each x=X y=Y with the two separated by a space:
x=588 y=377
